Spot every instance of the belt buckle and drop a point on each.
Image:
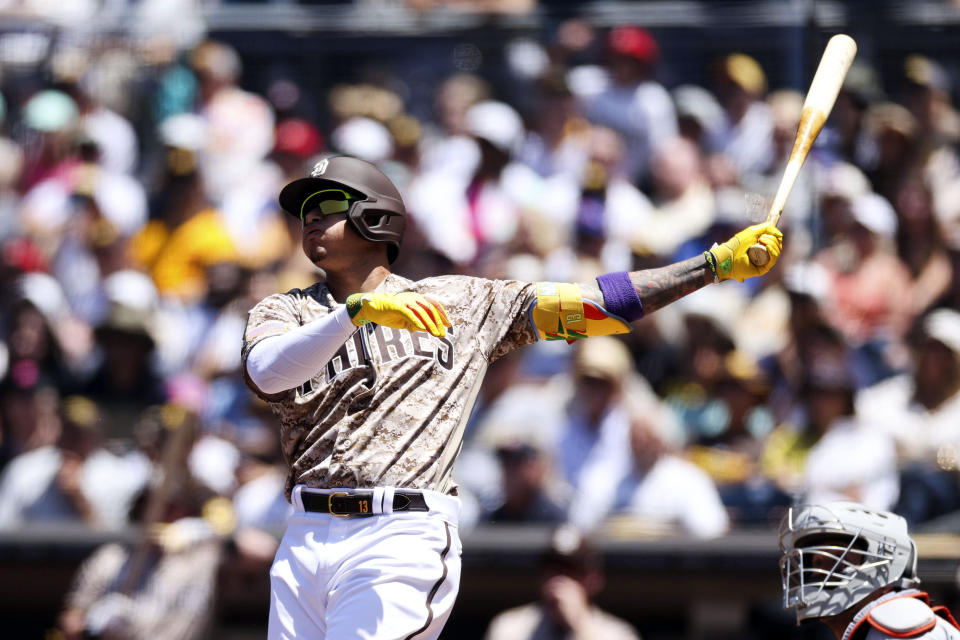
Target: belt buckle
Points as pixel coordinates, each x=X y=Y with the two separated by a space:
x=330 y=504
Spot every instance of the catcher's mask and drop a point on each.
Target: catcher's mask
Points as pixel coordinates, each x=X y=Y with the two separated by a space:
x=837 y=554
x=375 y=211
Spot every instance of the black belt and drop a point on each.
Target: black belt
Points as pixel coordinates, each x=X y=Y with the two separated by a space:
x=358 y=503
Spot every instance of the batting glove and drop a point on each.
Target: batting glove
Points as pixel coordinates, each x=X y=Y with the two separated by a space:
x=730 y=259
x=405 y=310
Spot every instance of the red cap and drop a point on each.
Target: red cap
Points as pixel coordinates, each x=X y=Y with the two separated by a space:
x=298 y=137
x=634 y=42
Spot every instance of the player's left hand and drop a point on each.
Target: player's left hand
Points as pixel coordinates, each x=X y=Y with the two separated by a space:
x=731 y=257
x=404 y=310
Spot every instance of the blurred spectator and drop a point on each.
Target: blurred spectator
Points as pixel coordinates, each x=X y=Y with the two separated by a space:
x=894 y=129
x=163 y=587
x=868 y=282
x=700 y=118
x=684 y=207
x=592 y=449
x=188 y=234
x=920 y=242
x=451 y=147
x=572 y=575
x=556 y=142
x=528 y=494
x=746 y=142
x=799 y=428
x=630 y=100
x=663 y=491
x=28 y=412
x=921 y=411
x=482 y=209
x=125 y=379
x=732 y=430
x=849 y=135
x=76 y=480
x=927 y=95
x=11 y=164
x=51 y=118
x=852 y=459
x=108 y=131
x=599 y=212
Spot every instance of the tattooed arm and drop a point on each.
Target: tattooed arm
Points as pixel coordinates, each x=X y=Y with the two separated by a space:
x=610 y=303
x=659 y=287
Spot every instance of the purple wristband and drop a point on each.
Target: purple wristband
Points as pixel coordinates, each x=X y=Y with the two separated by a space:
x=619 y=296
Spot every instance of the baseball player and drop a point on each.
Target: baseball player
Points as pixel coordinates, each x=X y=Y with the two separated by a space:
x=373 y=377
x=855 y=570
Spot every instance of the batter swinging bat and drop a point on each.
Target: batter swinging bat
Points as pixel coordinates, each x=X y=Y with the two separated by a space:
x=826 y=84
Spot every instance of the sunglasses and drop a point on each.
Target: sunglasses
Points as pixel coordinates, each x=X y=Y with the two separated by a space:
x=337 y=202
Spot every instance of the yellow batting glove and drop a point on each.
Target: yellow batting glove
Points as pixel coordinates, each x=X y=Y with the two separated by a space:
x=730 y=259
x=405 y=310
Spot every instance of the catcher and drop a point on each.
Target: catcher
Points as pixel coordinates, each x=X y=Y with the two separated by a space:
x=855 y=570
x=373 y=377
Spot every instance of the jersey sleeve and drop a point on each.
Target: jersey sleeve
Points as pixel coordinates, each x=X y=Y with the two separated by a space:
x=272 y=316
x=505 y=323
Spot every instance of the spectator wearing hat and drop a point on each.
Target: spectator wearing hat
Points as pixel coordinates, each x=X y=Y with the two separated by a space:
x=187 y=234
x=528 y=494
x=571 y=577
x=921 y=410
x=633 y=103
x=746 y=143
x=482 y=210
x=52 y=117
x=592 y=450
x=126 y=378
x=869 y=294
x=926 y=94
x=894 y=130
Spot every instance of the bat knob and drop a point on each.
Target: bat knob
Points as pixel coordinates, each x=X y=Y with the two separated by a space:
x=758 y=255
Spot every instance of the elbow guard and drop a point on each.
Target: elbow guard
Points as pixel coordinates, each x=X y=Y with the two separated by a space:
x=561 y=313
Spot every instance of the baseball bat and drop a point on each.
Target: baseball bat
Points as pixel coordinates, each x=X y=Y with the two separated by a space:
x=833 y=67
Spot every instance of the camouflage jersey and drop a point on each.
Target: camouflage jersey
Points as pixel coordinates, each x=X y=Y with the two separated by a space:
x=390 y=407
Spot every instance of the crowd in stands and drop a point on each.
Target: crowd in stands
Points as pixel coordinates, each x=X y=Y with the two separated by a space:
x=139 y=223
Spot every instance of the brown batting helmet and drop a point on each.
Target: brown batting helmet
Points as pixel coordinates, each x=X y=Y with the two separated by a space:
x=378 y=216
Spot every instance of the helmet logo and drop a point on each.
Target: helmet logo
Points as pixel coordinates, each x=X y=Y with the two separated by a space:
x=320 y=168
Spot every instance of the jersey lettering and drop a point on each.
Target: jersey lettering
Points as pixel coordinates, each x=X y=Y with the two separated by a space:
x=418 y=350
x=346 y=358
x=394 y=341
x=445 y=351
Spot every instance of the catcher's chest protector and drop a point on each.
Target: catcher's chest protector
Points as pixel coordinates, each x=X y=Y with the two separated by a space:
x=904 y=616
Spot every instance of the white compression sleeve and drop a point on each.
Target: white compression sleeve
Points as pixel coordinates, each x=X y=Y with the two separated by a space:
x=286 y=361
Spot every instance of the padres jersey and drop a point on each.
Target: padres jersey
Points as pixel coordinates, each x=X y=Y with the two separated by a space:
x=389 y=408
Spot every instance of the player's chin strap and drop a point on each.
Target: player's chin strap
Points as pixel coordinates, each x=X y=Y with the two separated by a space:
x=561 y=312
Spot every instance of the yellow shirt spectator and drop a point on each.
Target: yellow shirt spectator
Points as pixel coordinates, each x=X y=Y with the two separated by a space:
x=177 y=259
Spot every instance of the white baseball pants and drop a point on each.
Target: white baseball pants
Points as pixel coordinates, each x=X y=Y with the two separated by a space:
x=386 y=577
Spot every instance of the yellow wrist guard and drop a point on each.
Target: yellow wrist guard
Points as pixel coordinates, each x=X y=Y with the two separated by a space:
x=561 y=313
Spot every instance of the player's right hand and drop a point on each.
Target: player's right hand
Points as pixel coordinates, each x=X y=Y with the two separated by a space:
x=404 y=310
x=731 y=257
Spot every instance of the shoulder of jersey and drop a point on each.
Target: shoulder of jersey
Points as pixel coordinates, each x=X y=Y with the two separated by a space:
x=902 y=618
